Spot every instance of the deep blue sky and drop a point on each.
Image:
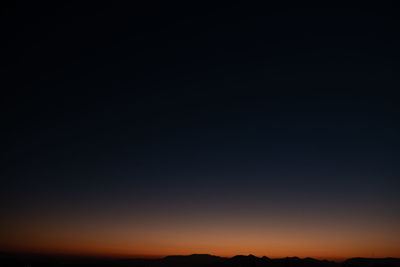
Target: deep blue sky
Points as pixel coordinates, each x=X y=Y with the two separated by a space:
x=198 y=112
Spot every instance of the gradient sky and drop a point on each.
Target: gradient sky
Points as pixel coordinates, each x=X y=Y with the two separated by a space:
x=150 y=130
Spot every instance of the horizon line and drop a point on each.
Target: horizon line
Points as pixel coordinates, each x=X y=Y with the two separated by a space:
x=158 y=257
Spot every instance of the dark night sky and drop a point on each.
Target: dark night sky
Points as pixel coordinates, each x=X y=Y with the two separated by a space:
x=152 y=127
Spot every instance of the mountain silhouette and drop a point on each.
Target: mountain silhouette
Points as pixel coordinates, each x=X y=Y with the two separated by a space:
x=194 y=259
x=250 y=260
x=206 y=260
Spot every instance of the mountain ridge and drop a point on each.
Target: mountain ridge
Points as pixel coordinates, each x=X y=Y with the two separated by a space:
x=208 y=260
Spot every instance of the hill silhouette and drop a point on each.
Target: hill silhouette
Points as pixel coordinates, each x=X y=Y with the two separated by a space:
x=197 y=260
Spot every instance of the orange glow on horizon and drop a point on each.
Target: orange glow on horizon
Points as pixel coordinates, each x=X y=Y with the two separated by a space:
x=184 y=243
x=155 y=237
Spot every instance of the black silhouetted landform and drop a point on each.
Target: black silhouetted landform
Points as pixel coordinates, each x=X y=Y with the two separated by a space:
x=197 y=260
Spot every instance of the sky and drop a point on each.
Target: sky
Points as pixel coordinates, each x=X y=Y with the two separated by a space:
x=156 y=129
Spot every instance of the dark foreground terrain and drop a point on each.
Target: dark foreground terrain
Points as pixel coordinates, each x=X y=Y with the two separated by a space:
x=197 y=260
